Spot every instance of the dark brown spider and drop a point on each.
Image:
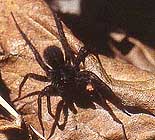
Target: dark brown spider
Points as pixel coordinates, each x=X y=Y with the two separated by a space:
x=84 y=88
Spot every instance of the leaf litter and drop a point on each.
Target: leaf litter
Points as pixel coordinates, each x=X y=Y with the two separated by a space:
x=128 y=82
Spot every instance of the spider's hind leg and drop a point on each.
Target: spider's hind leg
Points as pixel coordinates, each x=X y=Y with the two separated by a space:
x=83 y=53
x=69 y=55
x=33 y=49
x=104 y=73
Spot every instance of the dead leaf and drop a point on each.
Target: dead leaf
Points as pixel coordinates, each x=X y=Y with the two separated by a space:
x=139 y=55
x=129 y=83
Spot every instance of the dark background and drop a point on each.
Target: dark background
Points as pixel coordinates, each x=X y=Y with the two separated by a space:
x=99 y=17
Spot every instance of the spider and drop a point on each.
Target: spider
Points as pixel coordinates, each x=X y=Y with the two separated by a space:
x=82 y=88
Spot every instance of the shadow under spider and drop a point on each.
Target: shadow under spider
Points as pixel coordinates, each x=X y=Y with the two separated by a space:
x=82 y=88
x=84 y=100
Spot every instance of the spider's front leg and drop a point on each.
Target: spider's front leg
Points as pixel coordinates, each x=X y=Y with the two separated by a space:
x=48 y=92
x=101 y=93
x=101 y=89
x=110 y=111
x=62 y=106
x=58 y=111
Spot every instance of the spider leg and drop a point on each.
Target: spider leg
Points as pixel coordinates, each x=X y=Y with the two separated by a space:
x=49 y=107
x=108 y=79
x=28 y=95
x=45 y=92
x=40 y=111
x=34 y=76
x=57 y=117
x=69 y=56
x=72 y=107
x=33 y=49
x=48 y=91
x=110 y=111
x=104 y=91
x=65 y=112
x=100 y=86
x=82 y=54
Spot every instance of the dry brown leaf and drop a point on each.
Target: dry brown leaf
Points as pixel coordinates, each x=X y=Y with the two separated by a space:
x=140 y=55
x=132 y=85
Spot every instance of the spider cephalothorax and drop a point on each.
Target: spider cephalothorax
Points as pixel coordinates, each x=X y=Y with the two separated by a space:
x=83 y=88
x=61 y=73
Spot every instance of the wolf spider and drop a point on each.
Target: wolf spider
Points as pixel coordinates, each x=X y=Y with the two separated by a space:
x=83 y=88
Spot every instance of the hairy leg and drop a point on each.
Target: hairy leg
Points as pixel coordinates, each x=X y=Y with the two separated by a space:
x=103 y=92
x=82 y=54
x=48 y=90
x=49 y=107
x=68 y=52
x=40 y=112
x=33 y=76
x=65 y=112
x=106 y=106
x=57 y=117
x=33 y=49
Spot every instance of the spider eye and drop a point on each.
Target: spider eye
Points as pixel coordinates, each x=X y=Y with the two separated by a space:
x=54 y=57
